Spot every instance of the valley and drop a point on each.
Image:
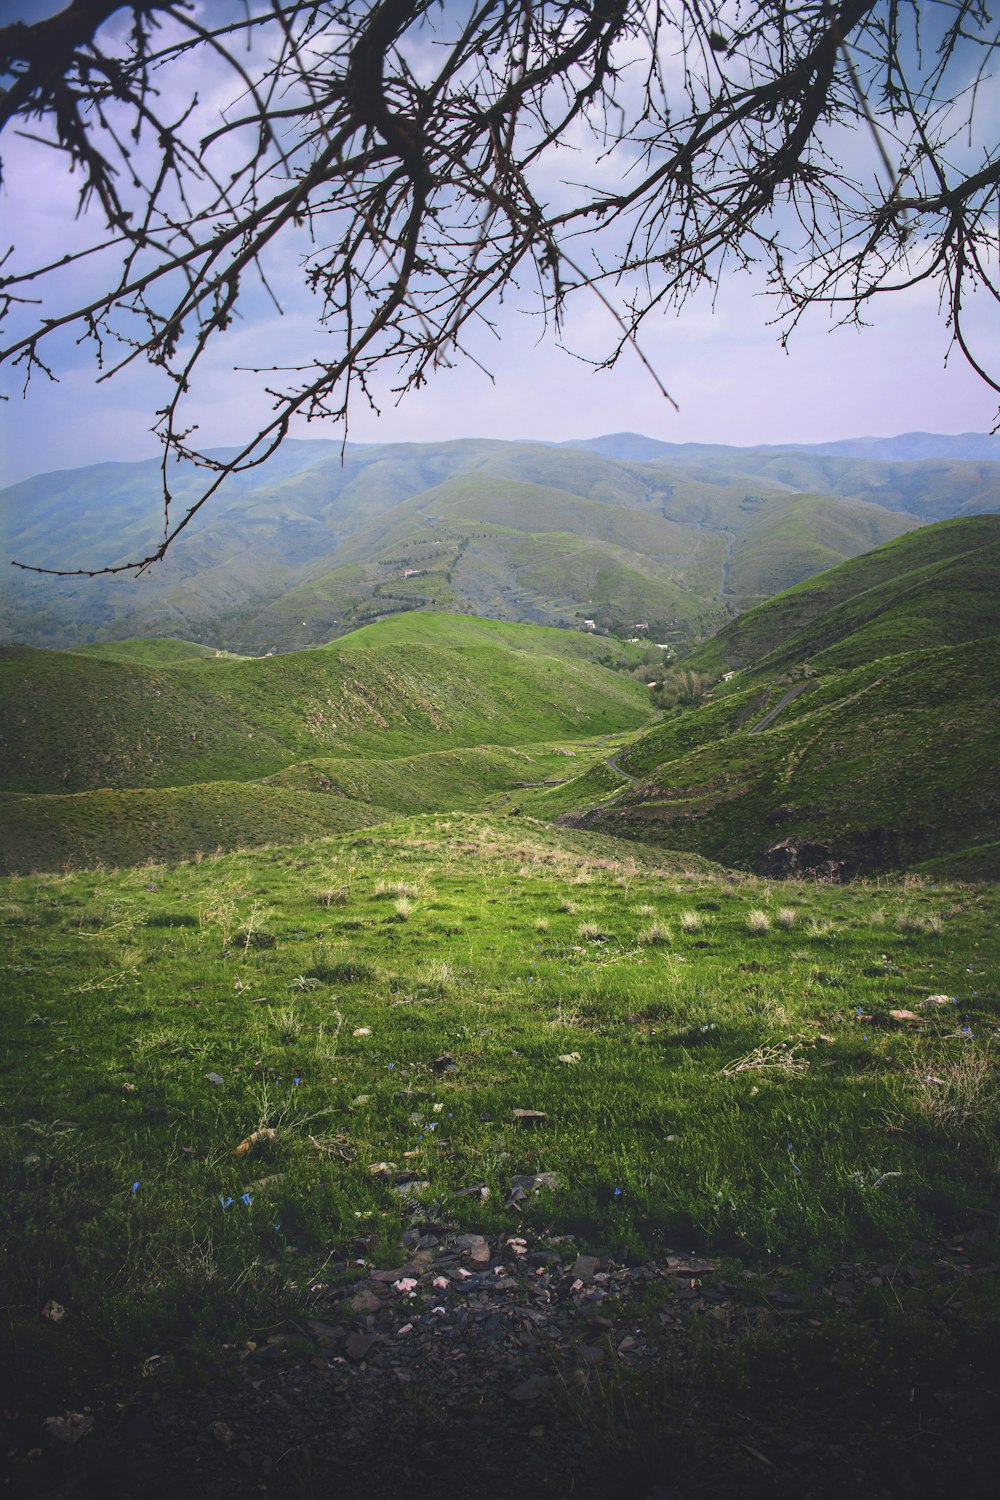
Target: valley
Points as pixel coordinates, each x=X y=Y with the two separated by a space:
x=317 y=543
x=465 y=1046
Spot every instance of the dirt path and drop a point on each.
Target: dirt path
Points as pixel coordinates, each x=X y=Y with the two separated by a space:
x=783 y=702
x=613 y=763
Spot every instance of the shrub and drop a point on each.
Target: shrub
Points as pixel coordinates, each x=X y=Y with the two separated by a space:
x=786 y=917
x=758 y=922
x=690 y=921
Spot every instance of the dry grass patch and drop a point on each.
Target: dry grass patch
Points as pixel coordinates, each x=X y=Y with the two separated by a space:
x=592 y=932
x=758 y=922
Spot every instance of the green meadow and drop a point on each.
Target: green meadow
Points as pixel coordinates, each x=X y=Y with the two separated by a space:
x=310 y=960
x=716 y=1057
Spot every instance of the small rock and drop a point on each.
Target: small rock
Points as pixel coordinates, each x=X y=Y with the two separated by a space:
x=213 y=1078
x=584 y=1267
x=364 y=1301
x=474 y=1190
x=475 y=1247
x=444 y=1064
x=528 y=1117
x=358 y=1345
x=54 y=1312
x=223 y=1434
x=531 y=1182
x=70 y=1428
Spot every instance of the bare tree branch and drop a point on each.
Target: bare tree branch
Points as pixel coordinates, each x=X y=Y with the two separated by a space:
x=411 y=154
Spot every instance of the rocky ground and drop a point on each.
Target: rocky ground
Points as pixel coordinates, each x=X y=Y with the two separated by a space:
x=507 y=1366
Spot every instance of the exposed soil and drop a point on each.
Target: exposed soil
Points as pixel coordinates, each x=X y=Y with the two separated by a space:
x=490 y=1366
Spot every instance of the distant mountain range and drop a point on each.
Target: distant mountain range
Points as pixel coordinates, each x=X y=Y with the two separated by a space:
x=907 y=447
x=623 y=530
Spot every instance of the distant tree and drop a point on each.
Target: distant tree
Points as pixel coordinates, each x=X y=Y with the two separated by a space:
x=680 y=688
x=422 y=159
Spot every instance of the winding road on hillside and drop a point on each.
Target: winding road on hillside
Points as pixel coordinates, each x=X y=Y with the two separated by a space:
x=783 y=702
x=613 y=763
x=769 y=718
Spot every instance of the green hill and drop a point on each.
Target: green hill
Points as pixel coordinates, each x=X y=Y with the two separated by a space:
x=117 y=760
x=882 y=767
x=936 y=586
x=881 y=754
x=315 y=543
x=74 y=723
x=156 y=652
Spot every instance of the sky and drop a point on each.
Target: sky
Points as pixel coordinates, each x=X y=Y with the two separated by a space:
x=719 y=358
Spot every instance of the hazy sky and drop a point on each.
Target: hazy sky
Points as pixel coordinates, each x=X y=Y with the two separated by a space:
x=722 y=363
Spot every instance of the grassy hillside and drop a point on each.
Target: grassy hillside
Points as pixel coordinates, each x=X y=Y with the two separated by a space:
x=862 y=732
x=107 y=758
x=436 y=629
x=259 y=1142
x=938 y=585
x=157 y=652
x=879 y=767
x=298 y=804
x=792 y=539
x=314 y=544
x=74 y=724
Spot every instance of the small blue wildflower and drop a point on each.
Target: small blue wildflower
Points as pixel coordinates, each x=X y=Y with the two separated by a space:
x=135 y=1187
x=618 y=1192
x=864 y=1039
x=224 y=1200
x=390 y=1065
x=296 y=1080
x=859 y=1012
x=246 y=1198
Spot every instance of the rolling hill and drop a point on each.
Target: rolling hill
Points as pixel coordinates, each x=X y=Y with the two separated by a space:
x=880 y=753
x=318 y=542
x=938 y=584
x=116 y=758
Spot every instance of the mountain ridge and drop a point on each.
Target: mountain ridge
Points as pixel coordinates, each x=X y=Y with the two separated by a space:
x=321 y=540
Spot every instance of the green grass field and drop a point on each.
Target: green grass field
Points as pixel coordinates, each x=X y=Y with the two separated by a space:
x=738 y=1082
x=472 y=874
